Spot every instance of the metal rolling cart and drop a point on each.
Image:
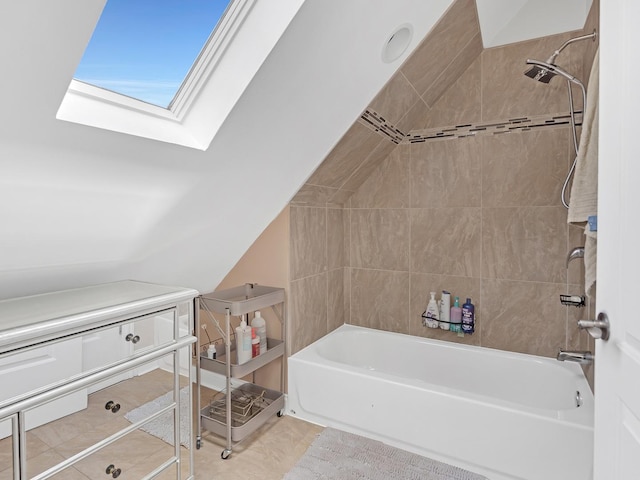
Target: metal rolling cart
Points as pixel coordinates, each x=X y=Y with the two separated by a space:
x=250 y=405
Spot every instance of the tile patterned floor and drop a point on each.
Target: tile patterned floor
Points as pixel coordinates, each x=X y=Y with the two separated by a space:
x=267 y=454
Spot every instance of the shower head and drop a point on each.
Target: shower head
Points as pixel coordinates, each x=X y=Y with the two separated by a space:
x=545 y=71
x=538 y=72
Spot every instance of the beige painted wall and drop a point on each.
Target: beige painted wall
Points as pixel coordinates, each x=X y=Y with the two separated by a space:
x=265 y=263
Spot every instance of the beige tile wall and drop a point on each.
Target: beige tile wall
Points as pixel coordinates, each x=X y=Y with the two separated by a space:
x=480 y=216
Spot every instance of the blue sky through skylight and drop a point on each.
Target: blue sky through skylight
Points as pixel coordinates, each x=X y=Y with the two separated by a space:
x=145 y=48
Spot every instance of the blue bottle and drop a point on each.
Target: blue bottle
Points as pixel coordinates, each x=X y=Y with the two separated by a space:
x=468 y=317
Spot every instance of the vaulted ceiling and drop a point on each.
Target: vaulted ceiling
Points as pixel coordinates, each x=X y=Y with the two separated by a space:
x=81 y=205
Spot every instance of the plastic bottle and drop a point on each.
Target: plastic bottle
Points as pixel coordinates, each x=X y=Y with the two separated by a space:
x=243 y=342
x=456 y=316
x=255 y=344
x=261 y=330
x=211 y=352
x=432 y=315
x=445 y=310
x=468 y=317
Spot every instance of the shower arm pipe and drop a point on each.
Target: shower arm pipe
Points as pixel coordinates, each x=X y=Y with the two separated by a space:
x=588 y=36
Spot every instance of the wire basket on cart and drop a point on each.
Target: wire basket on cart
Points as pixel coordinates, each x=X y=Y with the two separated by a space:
x=246 y=403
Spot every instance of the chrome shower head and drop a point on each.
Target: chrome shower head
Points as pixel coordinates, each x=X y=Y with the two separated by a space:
x=545 y=71
x=538 y=72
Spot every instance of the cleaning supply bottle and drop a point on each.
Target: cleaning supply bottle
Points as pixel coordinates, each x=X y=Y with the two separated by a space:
x=468 y=317
x=260 y=325
x=432 y=315
x=456 y=316
x=445 y=310
x=255 y=343
x=243 y=342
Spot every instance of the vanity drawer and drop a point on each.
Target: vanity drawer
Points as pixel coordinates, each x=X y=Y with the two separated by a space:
x=121 y=341
x=34 y=368
x=85 y=433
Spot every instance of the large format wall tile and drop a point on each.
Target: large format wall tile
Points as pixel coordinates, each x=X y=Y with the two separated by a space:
x=346 y=157
x=380 y=238
x=524 y=243
x=454 y=30
x=395 y=99
x=459 y=104
x=314 y=195
x=335 y=299
x=335 y=238
x=524 y=168
x=308 y=241
x=446 y=241
x=463 y=287
x=388 y=185
x=308 y=311
x=380 y=299
x=469 y=53
x=446 y=173
x=523 y=317
x=368 y=165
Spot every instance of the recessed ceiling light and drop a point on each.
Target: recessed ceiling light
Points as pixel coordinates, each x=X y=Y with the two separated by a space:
x=397 y=43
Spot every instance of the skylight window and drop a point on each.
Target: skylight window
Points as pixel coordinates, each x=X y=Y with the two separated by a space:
x=144 y=49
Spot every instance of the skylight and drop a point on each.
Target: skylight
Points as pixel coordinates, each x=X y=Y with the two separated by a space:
x=144 y=49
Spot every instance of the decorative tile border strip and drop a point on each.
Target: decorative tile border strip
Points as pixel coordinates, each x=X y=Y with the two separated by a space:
x=377 y=123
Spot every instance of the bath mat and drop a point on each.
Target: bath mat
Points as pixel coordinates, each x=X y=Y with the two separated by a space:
x=337 y=455
x=162 y=427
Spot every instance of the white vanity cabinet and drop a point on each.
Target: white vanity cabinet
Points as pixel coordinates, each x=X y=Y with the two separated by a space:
x=56 y=347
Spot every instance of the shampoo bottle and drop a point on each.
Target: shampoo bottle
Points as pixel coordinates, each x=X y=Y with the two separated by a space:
x=261 y=330
x=445 y=310
x=456 y=316
x=243 y=342
x=432 y=315
x=468 y=317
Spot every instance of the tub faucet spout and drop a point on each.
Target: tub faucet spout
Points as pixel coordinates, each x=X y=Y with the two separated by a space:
x=577 y=252
x=581 y=357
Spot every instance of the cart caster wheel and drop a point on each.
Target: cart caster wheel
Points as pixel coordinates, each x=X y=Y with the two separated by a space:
x=280 y=413
x=198 y=444
x=225 y=454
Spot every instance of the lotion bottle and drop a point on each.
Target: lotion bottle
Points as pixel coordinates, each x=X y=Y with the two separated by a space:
x=243 y=342
x=432 y=314
x=445 y=310
x=260 y=325
x=456 y=316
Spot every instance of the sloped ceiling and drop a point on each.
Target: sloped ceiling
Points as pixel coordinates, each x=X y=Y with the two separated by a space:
x=80 y=205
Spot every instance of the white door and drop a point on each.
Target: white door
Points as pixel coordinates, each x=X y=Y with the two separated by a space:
x=617 y=382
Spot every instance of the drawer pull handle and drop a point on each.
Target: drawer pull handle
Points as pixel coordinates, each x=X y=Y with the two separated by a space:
x=111 y=405
x=131 y=338
x=113 y=471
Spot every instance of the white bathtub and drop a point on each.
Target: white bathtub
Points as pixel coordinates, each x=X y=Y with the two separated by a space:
x=501 y=414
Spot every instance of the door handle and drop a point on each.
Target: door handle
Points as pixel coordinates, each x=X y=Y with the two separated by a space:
x=598 y=329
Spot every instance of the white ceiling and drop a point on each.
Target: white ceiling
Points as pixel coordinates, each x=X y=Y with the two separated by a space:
x=81 y=205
